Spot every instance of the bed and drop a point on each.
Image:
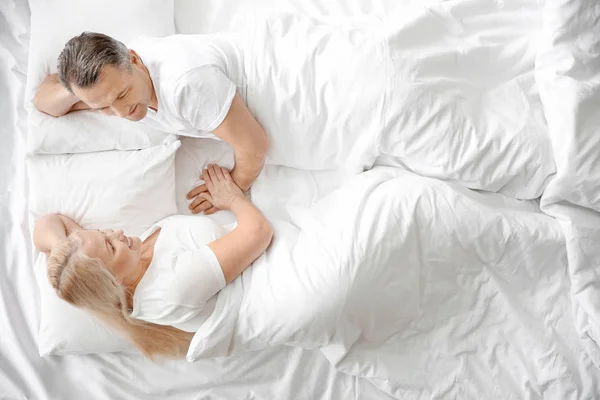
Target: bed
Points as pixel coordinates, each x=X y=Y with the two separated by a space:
x=519 y=324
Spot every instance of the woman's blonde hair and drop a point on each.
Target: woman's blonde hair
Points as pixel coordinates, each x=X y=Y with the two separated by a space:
x=86 y=283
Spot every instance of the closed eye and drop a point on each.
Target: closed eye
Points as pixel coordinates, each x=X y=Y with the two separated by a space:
x=123 y=95
x=109 y=245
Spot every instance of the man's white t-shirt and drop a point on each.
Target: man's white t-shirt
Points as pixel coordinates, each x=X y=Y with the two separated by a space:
x=195 y=78
x=179 y=286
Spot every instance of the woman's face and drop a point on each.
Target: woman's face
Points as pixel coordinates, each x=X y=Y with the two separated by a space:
x=121 y=254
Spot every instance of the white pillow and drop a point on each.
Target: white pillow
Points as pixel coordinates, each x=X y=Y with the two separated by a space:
x=86 y=132
x=53 y=23
x=114 y=189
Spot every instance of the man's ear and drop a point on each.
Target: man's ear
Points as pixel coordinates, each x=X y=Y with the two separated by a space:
x=134 y=58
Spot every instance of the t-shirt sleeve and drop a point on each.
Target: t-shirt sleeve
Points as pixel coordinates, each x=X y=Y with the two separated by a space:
x=203 y=97
x=197 y=276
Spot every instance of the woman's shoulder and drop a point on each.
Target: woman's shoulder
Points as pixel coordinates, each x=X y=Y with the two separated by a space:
x=189 y=232
x=186 y=221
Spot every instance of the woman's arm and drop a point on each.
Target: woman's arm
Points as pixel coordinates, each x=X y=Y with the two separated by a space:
x=238 y=249
x=54 y=99
x=51 y=229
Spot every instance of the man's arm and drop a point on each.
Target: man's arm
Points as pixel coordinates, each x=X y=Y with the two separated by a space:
x=250 y=144
x=249 y=141
x=54 y=99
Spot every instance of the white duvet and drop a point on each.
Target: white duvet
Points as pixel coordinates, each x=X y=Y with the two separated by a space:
x=446 y=91
x=568 y=74
x=423 y=286
x=396 y=270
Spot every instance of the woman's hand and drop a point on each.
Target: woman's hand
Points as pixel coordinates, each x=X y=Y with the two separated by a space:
x=222 y=190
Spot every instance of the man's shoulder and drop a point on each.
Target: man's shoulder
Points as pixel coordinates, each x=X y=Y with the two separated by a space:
x=177 y=55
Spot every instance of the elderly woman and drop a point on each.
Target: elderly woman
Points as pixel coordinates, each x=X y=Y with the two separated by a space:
x=157 y=289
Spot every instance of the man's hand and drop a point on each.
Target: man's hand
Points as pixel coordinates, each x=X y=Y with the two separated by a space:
x=200 y=204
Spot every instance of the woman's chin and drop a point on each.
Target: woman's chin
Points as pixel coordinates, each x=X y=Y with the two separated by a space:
x=136 y=243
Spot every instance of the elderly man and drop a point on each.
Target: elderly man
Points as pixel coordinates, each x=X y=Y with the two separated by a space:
x=182 y=84
x=314 y=95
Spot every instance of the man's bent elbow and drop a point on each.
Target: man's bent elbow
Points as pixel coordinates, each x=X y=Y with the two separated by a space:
x=41 y=106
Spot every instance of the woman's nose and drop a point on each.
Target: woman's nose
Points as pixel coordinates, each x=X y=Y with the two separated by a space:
x=115 y=234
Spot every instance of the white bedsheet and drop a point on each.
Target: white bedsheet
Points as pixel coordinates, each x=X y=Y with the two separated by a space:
x=281 y=373
x=525 y=346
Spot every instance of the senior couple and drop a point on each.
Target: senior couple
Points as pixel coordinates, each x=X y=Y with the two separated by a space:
x=191 y=85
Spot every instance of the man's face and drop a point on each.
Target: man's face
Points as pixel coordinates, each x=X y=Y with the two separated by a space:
x=120 y=92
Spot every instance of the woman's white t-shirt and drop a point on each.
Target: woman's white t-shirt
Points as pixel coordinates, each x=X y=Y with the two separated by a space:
x=179 y=286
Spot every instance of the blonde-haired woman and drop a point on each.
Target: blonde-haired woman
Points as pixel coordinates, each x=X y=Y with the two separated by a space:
x=157 y=289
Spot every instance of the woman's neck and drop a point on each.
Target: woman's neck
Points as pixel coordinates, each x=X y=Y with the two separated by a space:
x=147 y=253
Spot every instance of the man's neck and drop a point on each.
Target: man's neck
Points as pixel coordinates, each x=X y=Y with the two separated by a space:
x=153 y=99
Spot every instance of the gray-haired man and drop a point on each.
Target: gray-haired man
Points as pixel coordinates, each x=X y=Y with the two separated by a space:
x=194 y=94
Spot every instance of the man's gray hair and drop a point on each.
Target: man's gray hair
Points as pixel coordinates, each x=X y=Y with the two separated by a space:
x=84 y=56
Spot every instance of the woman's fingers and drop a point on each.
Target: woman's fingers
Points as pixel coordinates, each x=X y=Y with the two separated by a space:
x=213 y=173
x=219 y=172
x=226 y=174
x=210 y=184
